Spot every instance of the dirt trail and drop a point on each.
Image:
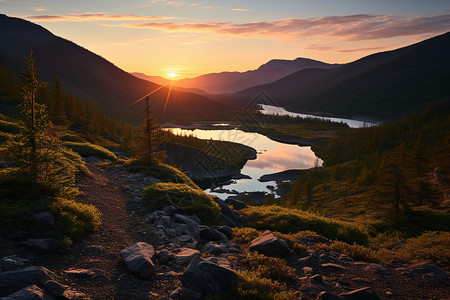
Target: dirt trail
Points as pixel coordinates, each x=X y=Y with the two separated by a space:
x=107 y=277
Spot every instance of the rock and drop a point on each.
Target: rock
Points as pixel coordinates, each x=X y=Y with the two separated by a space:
x=227 y=221
x=183 y=239
x=333 y=267
x=236 y=203
x=269 y=244
x=316 y=278
x=186 y=220
x=226 y=210
x=424 y=268
x=307 y=261
x=375 y=268
x=361 y=294
x=43 y=246
x=243 y=220
x=210 y=234
x=32 y=292
x=183 y=293
x=45 y=220
x=208 y=278
x=13 y=262
x=164 y=221
x=226 y=230
x=55 y=289
x=217 y=249
x=307 y=270
x=17 y=279
x=138 y=258
x=80 y=275
x=327 y=296
x=325 y=257
x=185 y=255
x=345 y=258
x=170 y=210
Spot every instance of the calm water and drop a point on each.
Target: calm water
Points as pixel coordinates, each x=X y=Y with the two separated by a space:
x=272 y=157
x=275 y=110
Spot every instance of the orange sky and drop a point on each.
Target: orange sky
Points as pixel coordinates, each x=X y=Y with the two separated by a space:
x=189 y=38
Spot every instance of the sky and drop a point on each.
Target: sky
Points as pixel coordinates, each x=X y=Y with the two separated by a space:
x=193 y=37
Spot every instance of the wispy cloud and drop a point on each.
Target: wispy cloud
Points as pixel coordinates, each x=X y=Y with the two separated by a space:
x=38 y=8
x=352 y=27
x=92 y=17
x=174 y=3
x=239 y=9
x=335 y=49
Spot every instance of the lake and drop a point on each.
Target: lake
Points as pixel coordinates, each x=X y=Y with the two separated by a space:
x=276 y=110
x=272 y=157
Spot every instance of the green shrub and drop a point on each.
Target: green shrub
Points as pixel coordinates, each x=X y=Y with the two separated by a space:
x=163 y=172
x=15 y=215
x=286 y=220
x=75 y=160
x=267 y=267
x=187 y=199
x=88 y=149
x=75 y=219
x=251 y=286
x=245 y=235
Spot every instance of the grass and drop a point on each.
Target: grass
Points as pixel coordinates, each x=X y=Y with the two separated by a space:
x=75 y=219
x=88 y=149
x=161 y=171
x=188 y=199
x=245 y=235
x=287 y=220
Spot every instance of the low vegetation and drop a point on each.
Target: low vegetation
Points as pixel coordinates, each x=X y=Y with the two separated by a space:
x=189 y=200
x=88 y=149
x=287 y=220
x=245 y=235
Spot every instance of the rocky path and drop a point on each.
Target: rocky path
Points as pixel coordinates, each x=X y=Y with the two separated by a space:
x=95 y=267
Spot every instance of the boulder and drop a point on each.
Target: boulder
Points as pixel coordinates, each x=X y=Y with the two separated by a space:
x=138 y=259
x=13 y=262
x=185 y=255
x=210 y=234
x=55 y=289
x=190 y=229
x=43 y=246
x=361 y=294
x=208 y=278
x=217 y=249
x=270 y=245
x=186 y=220
x=170 y=210
x=226 y=230
x=227 y=221
x=227 y=211
x=32 y=292
x=236 y=203
x=17 y=279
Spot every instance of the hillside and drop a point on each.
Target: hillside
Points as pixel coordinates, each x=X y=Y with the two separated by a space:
x=89 y=76
x=381 y=86
x=232 y=82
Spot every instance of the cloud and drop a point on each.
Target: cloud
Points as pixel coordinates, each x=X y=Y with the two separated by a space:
x=239 y=9
x=351 y=27
x=334 y=49
x=173 y=3
x=38 y=8
x=92 y=17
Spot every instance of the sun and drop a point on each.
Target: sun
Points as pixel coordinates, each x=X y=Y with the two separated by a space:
x=172 y=75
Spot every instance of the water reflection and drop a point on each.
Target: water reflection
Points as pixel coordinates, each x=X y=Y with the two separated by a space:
x=272 y=156
x=275 y=110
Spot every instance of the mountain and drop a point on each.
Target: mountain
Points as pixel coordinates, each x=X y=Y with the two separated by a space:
x=231 y=82
x=163 y=81
x=91 y=77
x=382 y=86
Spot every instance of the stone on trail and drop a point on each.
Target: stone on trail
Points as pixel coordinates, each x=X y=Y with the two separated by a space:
x=185 y=255
x=138 y=259
x=209 y=278
x=361 y=294
x=270 y=245
x=17 y=279
x=32 y=292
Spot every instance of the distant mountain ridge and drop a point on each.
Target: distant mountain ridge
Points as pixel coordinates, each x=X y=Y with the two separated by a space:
x=382 y=86
x=231 y=82
x=89 y=76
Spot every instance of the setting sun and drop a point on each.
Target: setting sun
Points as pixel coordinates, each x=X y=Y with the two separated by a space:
x=172 y=75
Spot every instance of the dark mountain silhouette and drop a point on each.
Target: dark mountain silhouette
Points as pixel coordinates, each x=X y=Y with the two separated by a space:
x=382 y=86
x=91 y=77
x=231 y=82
